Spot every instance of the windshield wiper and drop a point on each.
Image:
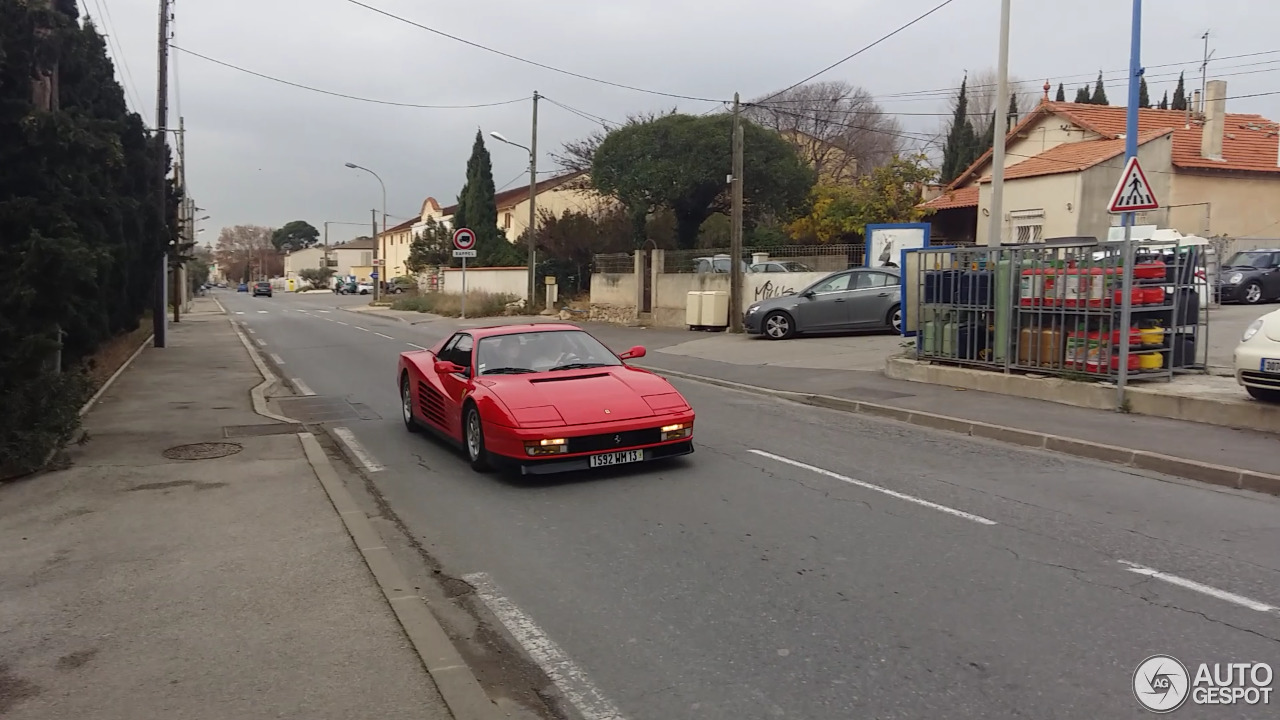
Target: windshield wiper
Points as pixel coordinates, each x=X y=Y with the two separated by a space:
x=578 y=366
x=508 y=371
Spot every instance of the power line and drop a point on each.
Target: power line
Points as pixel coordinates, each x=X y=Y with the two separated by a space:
x=855 y=54
x=343 y=95
x=117 y=51
x=605 y=122
x=527 y=61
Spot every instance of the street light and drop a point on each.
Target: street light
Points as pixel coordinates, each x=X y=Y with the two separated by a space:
x=533 y=209
x=383 y=237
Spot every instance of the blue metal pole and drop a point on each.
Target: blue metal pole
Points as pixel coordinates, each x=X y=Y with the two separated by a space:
x=1130 y=151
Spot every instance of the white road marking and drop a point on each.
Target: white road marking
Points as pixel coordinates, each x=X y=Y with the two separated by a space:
x=419 y=347
x=891 y=493
x=239 y=312
x=277 y=359
x=340 y=322
x=1198 y=587
x=262 y=312
x=362 y=456
x=583 y=694
x=251 y=330
x=260 y=342
x=384 y=336
x=323 y=312
x=302 y=387
x=360 y=328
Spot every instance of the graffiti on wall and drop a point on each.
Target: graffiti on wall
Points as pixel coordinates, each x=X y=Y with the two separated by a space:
x=767 y=290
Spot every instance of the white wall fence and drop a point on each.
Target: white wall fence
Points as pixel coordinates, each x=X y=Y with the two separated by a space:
x=623 y=297
x=492 y=280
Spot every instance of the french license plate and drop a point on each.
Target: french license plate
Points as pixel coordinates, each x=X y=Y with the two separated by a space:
x=616 y=458
x=1271 y=365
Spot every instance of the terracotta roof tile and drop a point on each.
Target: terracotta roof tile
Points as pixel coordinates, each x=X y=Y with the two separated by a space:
x=518 y=195
x=1073 y=157
x=964 y=197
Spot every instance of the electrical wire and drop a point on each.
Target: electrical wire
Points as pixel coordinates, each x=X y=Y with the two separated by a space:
x=343 y=95
x=604 y=122
x=856 y=53
x=527 y=61
x=117 y=52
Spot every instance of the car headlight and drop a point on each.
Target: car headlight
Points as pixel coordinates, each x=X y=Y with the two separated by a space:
x=1235 y=278
x=1252 y=330
x=676 y=432
x=753 y=309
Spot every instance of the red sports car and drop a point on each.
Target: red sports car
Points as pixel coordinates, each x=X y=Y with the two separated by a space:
x=542 y=399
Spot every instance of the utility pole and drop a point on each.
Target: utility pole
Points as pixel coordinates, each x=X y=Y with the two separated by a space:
x=1130 y=152
x=184 y=223
x=995 y=226
x=158 y=314
x=1204 y=69
x=375 y=255
x=735 y=233
x=533 y=206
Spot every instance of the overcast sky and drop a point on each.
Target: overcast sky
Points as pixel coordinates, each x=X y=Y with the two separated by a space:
x=260 y=152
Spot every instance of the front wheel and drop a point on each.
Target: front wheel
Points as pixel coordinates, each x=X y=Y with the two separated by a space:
x=894 y=319
x=1252 y=292
x=406 y=405
x=778 y=325
x=473 y=438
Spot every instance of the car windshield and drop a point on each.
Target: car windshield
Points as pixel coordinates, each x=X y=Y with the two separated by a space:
x=1254 y=259
x=541 y=351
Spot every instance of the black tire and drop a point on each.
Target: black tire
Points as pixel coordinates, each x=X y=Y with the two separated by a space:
x=473 y=439
x=1266 y=395
x=778 y=325
x=1251 y=293
x=406 y=405
x=894 y=319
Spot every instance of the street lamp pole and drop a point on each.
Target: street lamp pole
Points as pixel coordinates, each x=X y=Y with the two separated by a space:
x=533 y=199
x=995 y=228
x=381 y=238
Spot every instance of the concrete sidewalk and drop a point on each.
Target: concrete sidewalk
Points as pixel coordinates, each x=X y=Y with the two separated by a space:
x=146 y=582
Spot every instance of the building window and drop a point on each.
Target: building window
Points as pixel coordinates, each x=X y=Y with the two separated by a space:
x=506 y=221
x=1028 y=226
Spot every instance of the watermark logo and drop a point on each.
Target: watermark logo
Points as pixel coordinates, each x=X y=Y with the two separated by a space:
x=1162 y=684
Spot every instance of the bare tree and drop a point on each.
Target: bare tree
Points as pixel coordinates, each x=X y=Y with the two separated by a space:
x=245 y=252
x=981 y=92
x=837 y=127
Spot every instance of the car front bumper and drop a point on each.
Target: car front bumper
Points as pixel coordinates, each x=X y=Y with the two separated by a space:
x=753 y=323
x=506 y=445
x=1228 y=293
x=1248 y=364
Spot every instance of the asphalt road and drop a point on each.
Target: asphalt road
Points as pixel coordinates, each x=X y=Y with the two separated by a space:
x=813 y=564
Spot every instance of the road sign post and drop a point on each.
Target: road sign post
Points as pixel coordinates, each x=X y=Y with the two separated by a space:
x=1132 y=194
x=464 y=246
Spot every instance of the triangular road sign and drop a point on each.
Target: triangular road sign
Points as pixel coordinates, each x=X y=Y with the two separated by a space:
x=1133 y=193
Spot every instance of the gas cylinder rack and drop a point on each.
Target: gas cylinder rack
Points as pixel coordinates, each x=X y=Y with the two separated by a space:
x=1055 y=308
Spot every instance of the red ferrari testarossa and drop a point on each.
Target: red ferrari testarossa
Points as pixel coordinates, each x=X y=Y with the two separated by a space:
x=542 y=398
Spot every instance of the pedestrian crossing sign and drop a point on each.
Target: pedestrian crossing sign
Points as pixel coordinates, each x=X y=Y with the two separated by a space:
x=1133 y=192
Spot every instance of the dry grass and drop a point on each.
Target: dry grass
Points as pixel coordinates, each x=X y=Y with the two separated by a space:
x=113 y=353
x=479 y=304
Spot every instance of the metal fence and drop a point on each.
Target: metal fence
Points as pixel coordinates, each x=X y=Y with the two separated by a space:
x=1059 y=309
x=792 y=258
x=614 y=263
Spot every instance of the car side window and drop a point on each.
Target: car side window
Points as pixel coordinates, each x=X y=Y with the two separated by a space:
x=461 y=352
x=838 y=283
x=867 y=280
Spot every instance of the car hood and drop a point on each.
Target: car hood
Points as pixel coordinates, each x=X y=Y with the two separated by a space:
x=782 y=302
x=580 y=397
x=1271 y=326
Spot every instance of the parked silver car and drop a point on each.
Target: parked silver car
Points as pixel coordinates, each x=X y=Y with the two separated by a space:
x=862 y=299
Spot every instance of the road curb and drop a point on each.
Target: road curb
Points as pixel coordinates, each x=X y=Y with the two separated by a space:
x=1221 y=475
x=459 y=687
x=84 y=409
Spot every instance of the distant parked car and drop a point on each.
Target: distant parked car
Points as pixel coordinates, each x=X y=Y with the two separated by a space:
x=262 y=288
x=861 y=299
x=781 y=266
x=1250 y=277
x=244 y=287
x=717 y=264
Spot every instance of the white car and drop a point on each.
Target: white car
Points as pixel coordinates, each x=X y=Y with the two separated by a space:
x=1257 y=358
x=364 y=288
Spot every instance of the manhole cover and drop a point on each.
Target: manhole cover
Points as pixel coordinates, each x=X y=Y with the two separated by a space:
x=202 y=451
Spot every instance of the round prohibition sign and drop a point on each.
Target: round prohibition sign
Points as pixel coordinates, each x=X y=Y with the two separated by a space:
x=464 y=239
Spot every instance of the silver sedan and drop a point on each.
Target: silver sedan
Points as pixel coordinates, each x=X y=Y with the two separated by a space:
x=862 y=299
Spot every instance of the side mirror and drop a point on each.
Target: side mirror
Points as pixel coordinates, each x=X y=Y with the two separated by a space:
x=444 y=367
x=635 y=352
x=807 y=294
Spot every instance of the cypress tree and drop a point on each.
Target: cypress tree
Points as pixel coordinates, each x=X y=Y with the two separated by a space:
x=959 y=151
x=1164 y=103
x=478 y=210
x=1099 y=92
x=1180 y=94
x=1144 y=99
x=1062 y=93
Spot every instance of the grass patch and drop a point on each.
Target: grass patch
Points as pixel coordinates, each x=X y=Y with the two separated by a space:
x=479 y=304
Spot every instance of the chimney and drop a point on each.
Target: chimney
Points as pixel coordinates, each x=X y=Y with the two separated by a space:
x=1215 y=110
x=1197 y=107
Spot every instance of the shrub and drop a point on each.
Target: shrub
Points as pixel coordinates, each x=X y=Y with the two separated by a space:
x=479 y=304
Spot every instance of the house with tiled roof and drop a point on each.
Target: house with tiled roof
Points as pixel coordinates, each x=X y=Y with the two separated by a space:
x=1215 y=174
x=567 y=192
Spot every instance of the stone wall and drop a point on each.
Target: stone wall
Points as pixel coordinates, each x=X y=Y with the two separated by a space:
x=621 y=314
